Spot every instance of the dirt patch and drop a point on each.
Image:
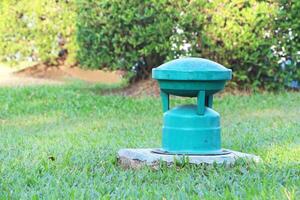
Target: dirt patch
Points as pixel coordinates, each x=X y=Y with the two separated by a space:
x=94 y=76
x=8 y=79
x=148 y=87
x=42 y=71
x=44 y=74
x=64 y=72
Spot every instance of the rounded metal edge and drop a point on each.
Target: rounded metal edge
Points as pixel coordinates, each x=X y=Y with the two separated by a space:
x=163 y=152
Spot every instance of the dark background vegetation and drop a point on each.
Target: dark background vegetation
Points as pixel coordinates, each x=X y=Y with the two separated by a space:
x=258 y=40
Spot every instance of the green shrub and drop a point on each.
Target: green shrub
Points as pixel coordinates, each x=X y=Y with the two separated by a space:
x=259 y=40
x=238 y=34
x=117 y=33
x=31 y=30
x=286 y=50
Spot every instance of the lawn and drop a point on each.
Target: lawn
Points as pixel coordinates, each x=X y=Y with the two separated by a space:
x=60 y=142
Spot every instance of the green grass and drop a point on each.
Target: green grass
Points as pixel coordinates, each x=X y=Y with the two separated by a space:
x=60 y=142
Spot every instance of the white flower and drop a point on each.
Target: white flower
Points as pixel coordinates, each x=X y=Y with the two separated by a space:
x=30 y=25
x=267 y=34
x=30 y=59
x=273 y=47
x=174 y=45
x=281 y=53
x=291 y=34
x=185 y=47
x=18 y=55
x=179 y=30
x=281 y=60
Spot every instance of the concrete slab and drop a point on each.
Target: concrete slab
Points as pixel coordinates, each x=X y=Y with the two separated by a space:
x=136 y=158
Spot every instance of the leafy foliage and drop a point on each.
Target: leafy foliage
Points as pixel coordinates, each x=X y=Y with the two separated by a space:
x=286 y=50
x=239 y=35
x=116 y=34
x=259 y=40
x=36 y=31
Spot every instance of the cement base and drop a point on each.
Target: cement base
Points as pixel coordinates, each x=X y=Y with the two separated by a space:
x=136 y=158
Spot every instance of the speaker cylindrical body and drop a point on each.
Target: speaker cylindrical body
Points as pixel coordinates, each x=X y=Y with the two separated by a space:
x=186 y=132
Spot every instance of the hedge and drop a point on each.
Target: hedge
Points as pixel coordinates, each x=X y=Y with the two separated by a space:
x=116 y=33
x=286 y=49
x=37 y=30
x=258 y=39
x=239 y=35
